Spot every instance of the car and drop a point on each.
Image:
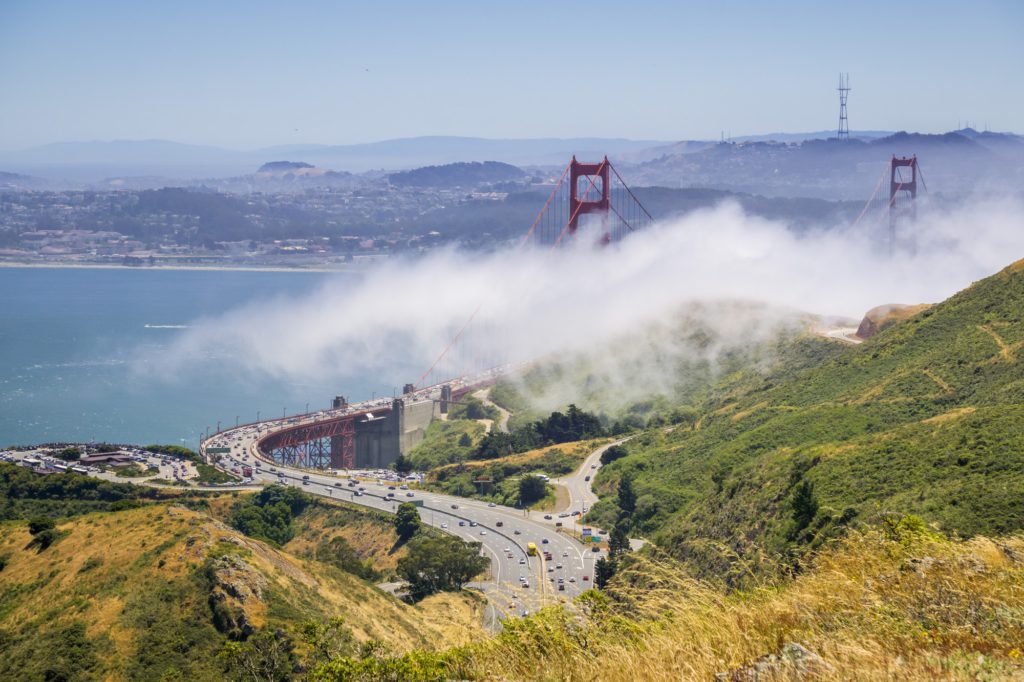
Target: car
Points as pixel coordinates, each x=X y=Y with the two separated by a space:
x=455 y=506
x=410 y=494
x=561 y=587
x=517 y=532
x=462 y=523
x=526 y=584
x=563 y=515
x=551 y=569
x=558 y=566
x=492 y=505
x=508 y=550
x=586 y=578
x=391 y=487
x=351 y=484
x=305 y=483
x=306 y=477
x=561 y=580
x=522 y=561
x=483 y=532
x=595 y=548
x=544 y=541
x=586 y=478
x=362 y=489
x=472 y=523
x=337 y=485
x=404 y=487
x=499 y=524
x=444 y=525
x=391 y=494
x=572 y=578
x=565 y=553
x=575 y=513
x=593 y=466
x=547 y=516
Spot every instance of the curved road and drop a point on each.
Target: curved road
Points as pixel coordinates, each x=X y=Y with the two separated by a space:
x=520 y=582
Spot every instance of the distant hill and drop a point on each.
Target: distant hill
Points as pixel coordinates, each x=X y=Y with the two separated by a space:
x=278 y=166
x=952 y=163
x=463 y=174
x=96 y=160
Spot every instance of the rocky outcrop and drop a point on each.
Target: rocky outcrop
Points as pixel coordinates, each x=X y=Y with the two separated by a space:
x=793 y=662
x=235 y=588
x=884 y=316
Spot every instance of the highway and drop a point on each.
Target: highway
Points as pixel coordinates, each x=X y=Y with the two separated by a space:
x=519 y=582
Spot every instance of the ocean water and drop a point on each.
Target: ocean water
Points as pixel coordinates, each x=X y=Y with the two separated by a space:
x=70 y=340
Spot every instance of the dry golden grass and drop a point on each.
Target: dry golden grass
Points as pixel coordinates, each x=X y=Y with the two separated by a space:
x=104 y=560
x=913 y=607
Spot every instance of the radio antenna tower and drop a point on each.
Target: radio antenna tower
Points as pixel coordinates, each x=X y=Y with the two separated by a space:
x=844 y=90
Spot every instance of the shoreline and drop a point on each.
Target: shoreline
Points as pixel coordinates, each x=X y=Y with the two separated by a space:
x=191 y=267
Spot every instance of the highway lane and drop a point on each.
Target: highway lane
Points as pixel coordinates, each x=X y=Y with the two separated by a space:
x=504 y=532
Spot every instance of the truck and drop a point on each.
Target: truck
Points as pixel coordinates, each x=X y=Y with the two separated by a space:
x=247 y=471
x=531 y=549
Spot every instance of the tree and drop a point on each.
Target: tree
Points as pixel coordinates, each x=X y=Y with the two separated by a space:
x=465 y=441
x=618 y=541
x=70 y=454
x=531 y=489
x=436 y=564
x=327 y=641
x=407 y=521
x=626 y=499
x=805 y=506
x=613 y=453
x=39 y=524
x=402 y=465
x=267 y=656
x=604 y=569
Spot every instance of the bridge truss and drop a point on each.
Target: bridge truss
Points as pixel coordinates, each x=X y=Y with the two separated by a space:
x=317 y=445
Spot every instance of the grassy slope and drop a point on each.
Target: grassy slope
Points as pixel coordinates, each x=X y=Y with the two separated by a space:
x=127 y=592
x=441 y=444
x=905 y=605
x=927 y=417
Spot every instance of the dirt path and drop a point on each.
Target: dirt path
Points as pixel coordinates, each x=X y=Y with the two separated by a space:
x=484 y=396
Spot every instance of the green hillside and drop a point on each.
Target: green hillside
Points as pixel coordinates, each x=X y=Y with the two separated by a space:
x=926 y=418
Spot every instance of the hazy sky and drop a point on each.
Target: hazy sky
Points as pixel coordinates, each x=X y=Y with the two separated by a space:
x=248 y=74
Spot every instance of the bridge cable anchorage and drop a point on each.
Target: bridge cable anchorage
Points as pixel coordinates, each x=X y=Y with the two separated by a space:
x=556 y=220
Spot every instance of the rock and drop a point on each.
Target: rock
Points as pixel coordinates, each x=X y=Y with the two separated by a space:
x=793 y=662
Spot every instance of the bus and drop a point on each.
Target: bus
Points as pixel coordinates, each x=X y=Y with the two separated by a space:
x=531 y=549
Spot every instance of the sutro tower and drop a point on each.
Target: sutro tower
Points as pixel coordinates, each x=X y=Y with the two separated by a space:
x=844 y=90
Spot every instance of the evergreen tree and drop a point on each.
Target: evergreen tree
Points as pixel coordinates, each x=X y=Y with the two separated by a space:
x=627 y=496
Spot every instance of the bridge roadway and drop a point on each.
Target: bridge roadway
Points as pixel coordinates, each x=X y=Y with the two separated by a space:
x=505 y=544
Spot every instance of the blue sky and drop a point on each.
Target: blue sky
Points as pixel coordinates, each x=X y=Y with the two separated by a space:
x=250 y=74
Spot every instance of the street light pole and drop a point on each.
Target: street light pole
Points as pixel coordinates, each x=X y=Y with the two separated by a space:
x=236 y=420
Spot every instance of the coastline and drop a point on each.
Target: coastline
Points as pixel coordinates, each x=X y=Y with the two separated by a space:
x=349 y=268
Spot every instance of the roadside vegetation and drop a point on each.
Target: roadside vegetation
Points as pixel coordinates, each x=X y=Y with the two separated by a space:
x=498 y=480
